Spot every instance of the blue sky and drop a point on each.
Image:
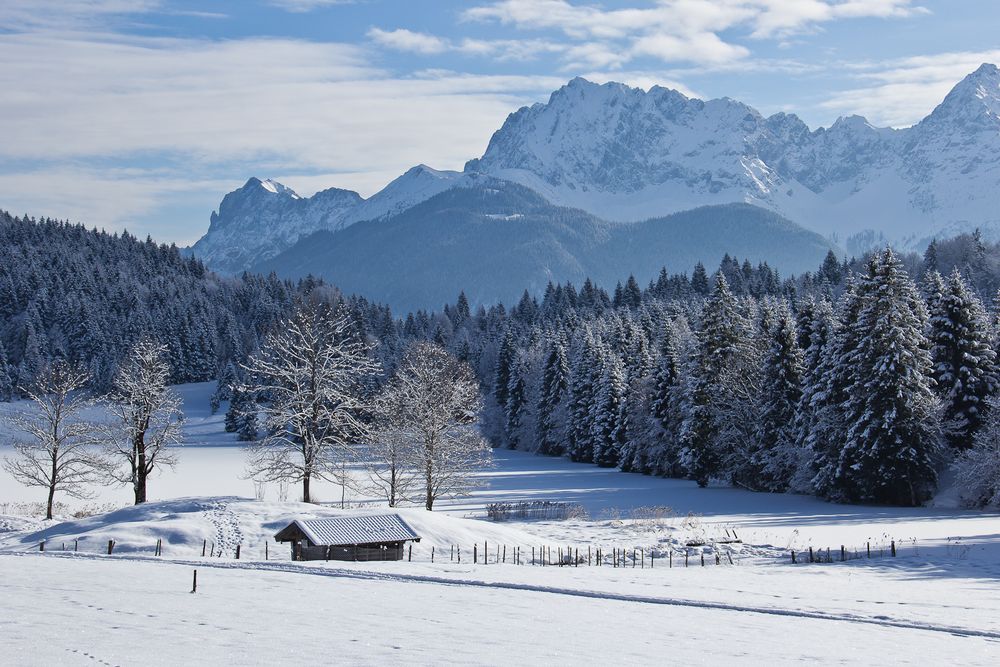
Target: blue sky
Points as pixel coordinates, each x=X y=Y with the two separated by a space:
x=141 y=114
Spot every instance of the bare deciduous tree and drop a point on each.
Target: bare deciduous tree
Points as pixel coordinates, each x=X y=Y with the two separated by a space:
x=308 y=375
x=393 y=455
x=437 y=404
x=59 y=451
x=148 y=417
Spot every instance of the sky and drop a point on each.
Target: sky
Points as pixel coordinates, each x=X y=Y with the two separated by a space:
x=142 y=114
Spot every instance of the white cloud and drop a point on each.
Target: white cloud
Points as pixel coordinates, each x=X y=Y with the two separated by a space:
x=900 y=92
x=303 y=6
x=407 y=40
x=678 y=30
x=287 y=106
x=63 y=14
x=427 y=44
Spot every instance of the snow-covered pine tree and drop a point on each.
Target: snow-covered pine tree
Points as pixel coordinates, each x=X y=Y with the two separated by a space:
x=554 y=390
x=584 y=377
x=505 y=361
x=978 y=469
x=775 y=456
x=516 y=403
x=665 y=407
x=820 y=333
x=965 y=368
x=720 y=337
x=891 y=411
x=608 y=418
x=6 y=380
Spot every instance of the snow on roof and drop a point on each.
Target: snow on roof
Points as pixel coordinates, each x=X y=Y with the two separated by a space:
x=356 y=529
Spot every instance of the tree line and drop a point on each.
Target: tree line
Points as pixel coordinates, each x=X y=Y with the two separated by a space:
x=860 y=382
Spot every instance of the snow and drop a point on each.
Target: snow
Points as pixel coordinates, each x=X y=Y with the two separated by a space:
x=935 y=603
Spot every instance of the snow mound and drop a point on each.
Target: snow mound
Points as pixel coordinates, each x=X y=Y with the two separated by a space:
x=186 y=524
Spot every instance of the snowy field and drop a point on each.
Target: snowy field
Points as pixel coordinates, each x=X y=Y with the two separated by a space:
x=936 y=603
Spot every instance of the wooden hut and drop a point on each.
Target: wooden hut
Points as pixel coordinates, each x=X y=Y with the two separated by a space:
x=365 y=538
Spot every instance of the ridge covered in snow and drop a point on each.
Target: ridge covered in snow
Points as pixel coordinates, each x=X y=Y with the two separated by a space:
x=625 y=154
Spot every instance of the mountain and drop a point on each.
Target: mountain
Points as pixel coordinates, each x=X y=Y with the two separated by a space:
x=623 y=154
x=494 y=239
x=264 y=217
x=626 y=154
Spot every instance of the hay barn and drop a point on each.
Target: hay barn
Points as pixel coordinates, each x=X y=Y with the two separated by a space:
x=361 y=538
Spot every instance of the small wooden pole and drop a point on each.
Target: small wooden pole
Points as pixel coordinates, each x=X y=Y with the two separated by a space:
x=811 y=554
x=793 y=556
x=685 y=558
x=266 y=554
x=111 y=546
x=238 y=551
x=475 y=553
x=843 y=554
x=729 y=555
x=717 y=561
x=452 y=553
x=505 y=554
x=532 y=555
x=63 y=546
x=194 y=582
x=868 y=546
x=642 y=559
x=76 y=544
x=703 y=559
x=588 y=555
x=41 y=545
x=652 y=555
x=893 y=547
x=409 y=555
x=432 y=553
x=670 y=559
x=204 y=543
x=576 y=558
x=634 y=559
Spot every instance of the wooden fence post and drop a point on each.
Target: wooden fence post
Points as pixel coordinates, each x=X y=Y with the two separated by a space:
x=717 y=561
x=111 y=546
x=670 y=559
x=793 y=556
x=685 y=558
x=194 y=582
x=868 y=546
x=409 y=555
x=432 y=553
x=843 y=554
x=76 y=544
x=238 y=551
x=475 y=553
x=810 y=554
x=204 y=543
x=41 y=545
x=703 y=559
x=893 y=547
x=266 y=554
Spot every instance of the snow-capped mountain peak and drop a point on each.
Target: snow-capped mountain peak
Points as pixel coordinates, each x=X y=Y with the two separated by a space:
x=625 y=154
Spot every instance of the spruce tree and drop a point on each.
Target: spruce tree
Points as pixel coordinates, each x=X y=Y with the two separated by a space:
x=516 y=402
x=776 y=458
x=585 y=375
x=964 y=361
x=891 y=410
x=721 y=337
x=555 y=387
x=608 y=419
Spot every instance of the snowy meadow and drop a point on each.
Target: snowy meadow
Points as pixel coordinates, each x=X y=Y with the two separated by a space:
x=935 y=601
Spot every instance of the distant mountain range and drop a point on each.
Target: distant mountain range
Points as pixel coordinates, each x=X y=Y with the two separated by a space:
x=596 y=155
x=494 y=239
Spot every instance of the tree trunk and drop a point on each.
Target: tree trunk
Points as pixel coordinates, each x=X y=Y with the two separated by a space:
x=53 y=479
x=140 y=469
x=305 y=488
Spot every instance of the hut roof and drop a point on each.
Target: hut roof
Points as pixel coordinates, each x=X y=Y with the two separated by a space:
x=374 y=529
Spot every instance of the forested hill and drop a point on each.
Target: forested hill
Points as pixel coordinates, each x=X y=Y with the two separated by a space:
x=86 y=295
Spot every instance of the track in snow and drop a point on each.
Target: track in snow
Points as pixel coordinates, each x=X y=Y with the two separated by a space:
x=288 y=567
